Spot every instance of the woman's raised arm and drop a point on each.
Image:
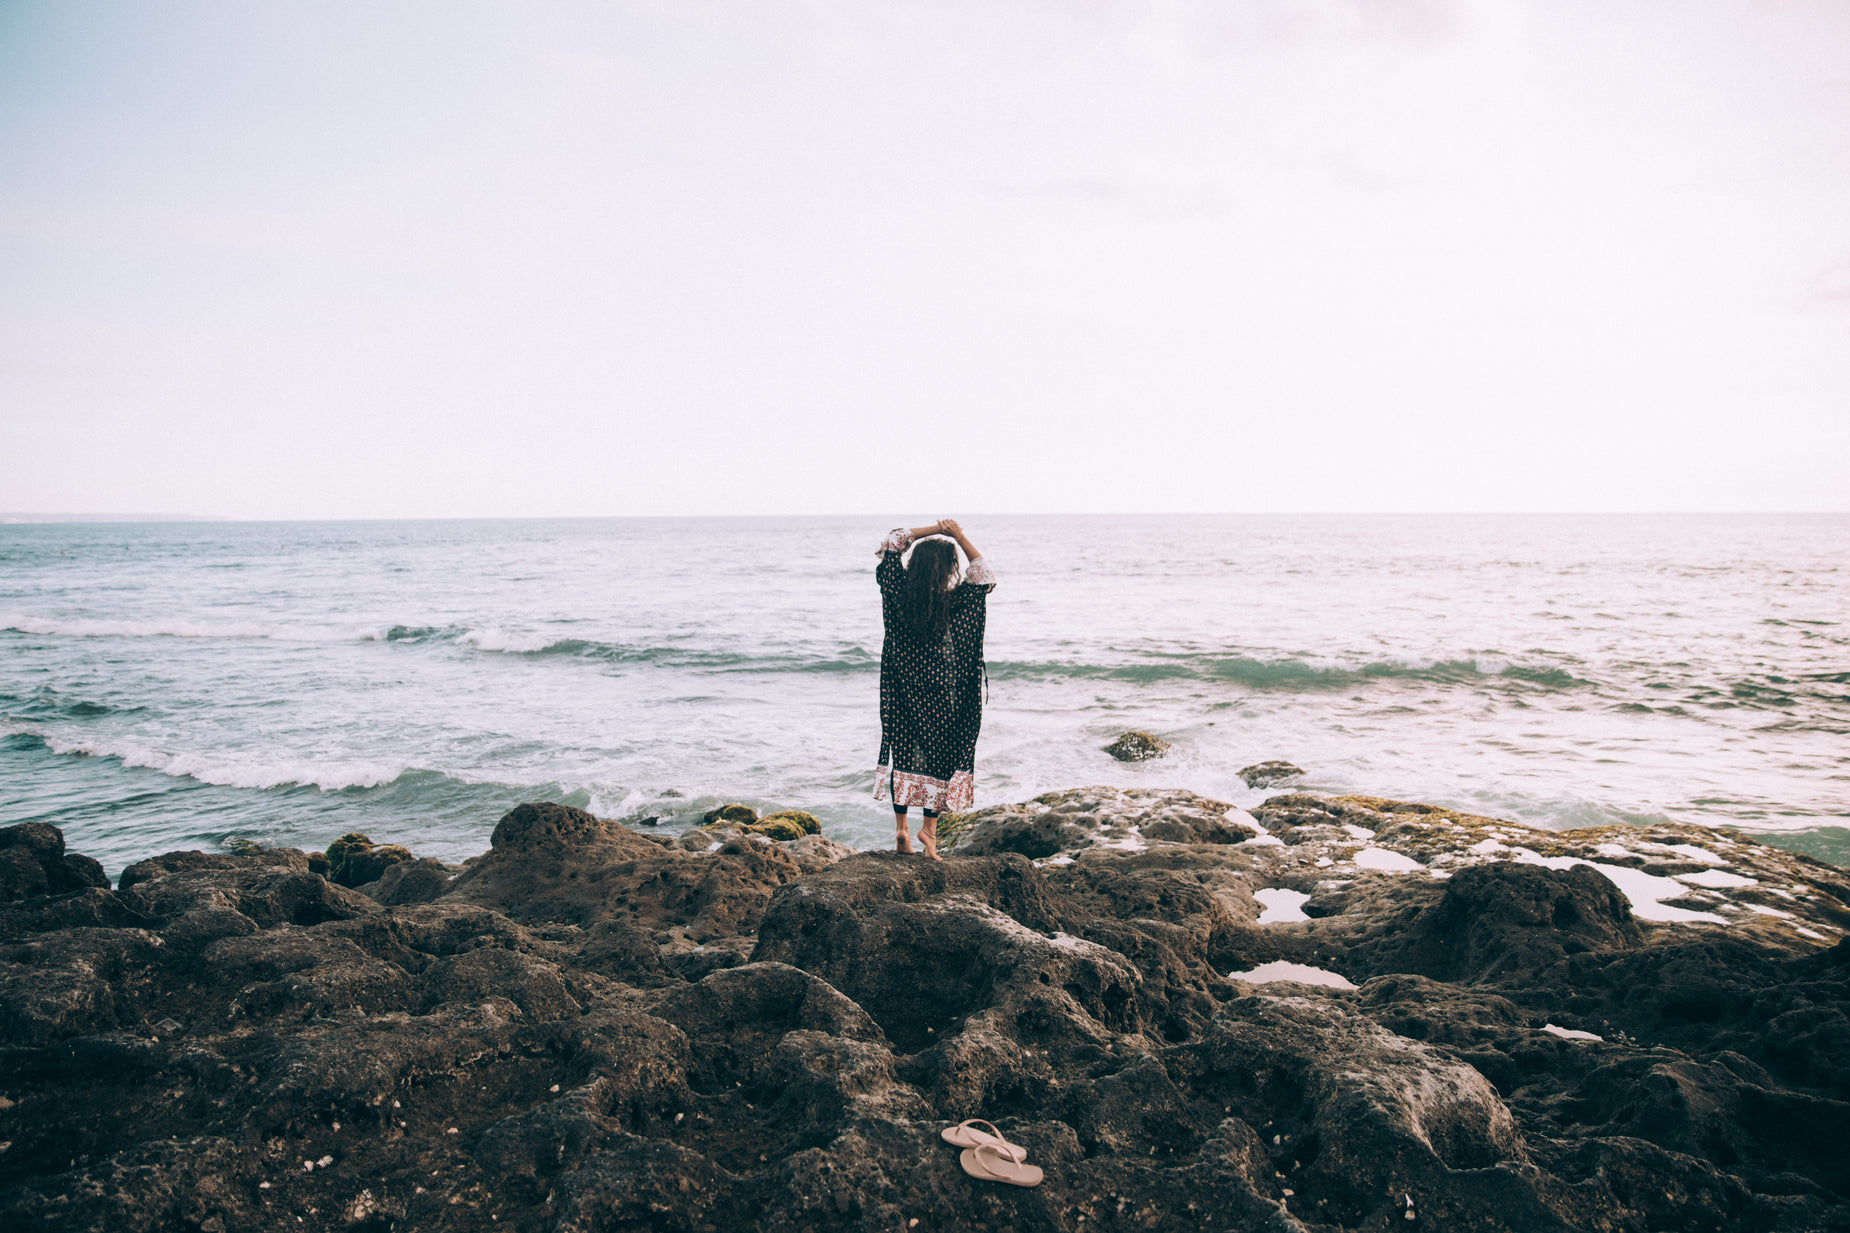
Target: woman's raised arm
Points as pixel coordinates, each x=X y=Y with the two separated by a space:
x=950 y=527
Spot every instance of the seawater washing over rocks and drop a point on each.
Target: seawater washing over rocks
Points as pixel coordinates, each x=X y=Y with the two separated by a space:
x=177 y=686
x=1328 y=1013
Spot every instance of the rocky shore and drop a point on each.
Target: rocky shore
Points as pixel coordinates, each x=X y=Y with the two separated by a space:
x=1330 y=1013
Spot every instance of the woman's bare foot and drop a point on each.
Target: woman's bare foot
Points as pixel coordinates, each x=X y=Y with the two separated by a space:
x=904 y=840
x=928 y=835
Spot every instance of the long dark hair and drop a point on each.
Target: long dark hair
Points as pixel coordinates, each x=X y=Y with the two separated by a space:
x=930 y=575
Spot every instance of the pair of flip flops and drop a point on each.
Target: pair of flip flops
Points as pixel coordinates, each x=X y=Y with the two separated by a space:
x=990 y=1157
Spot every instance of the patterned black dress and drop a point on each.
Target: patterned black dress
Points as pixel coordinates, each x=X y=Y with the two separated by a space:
x=931 y=690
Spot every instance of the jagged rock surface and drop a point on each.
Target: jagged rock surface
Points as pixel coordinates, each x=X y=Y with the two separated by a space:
x=590 y=1028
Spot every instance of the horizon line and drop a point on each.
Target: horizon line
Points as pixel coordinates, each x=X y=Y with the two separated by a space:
x=119 y=519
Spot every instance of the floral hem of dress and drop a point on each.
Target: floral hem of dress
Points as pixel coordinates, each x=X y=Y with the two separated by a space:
x=922 y=790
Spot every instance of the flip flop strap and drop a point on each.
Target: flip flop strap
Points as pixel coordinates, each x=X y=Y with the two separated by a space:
x=982 y=1148
x=1011 y=1152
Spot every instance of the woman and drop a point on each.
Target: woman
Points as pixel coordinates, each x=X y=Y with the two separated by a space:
x=931 y=675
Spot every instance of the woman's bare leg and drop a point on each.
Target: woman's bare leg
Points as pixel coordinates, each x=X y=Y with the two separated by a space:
x=928 y=835
x=904 y=837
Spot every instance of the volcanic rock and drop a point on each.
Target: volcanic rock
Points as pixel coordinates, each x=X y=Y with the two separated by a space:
x=1626 y=1030
x=1073 y=820
x=33 y=862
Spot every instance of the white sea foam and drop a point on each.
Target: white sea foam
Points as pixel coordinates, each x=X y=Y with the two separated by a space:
x=507 y=641
x=1282 y=906
x=78 y=627
x=1716 y=879
x=601 y=805
x=231 y=770
x=1299 y=973
x=1754 y=907
x=1569 y=1033
x=1387 y=861
x=1240 y=818
x=1697 y=854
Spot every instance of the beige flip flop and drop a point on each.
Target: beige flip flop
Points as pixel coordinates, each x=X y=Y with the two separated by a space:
x=966 y=1134
x=983 y=1161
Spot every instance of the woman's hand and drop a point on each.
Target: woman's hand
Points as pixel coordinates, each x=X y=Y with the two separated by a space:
x=955 y=530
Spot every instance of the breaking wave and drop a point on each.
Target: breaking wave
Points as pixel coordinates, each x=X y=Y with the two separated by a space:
x=1291 y=673
x=225 y=769
x=77 y=627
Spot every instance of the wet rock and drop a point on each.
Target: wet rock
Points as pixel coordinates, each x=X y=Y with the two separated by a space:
x=177 y=1183
x=200 y=927
x=1506 y=921
x=745 y=815
x=1361 y=1116
x=1064 y=822
x=731 y=1032
x=73 y=982
x=1137 y=747
x=92 y=907
x=268 y=894
x=740 y=1014
x=185 y=862
x=1265 y=774
x=813 y=852
x=974 y=974
x=533 y=984
x=557 y=864
x=416 y=881
x=33 y=862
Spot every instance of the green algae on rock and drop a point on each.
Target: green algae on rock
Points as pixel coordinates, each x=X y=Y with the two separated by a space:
x=781 y=829
x=807 y=821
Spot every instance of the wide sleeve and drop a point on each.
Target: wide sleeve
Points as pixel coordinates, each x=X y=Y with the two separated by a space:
x=890 y=572
x=979 y=574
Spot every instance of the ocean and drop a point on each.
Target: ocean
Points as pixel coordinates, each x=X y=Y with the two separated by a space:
x=192 y=685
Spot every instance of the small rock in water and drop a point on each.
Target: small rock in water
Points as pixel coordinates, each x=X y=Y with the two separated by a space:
x=1265 y=774
x=1137 y=747
x=745 y=815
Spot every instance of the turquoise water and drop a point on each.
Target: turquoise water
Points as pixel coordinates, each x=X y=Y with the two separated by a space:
x=176 y=685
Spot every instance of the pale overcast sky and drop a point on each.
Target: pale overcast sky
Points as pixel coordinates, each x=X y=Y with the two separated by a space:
x=392 y=259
